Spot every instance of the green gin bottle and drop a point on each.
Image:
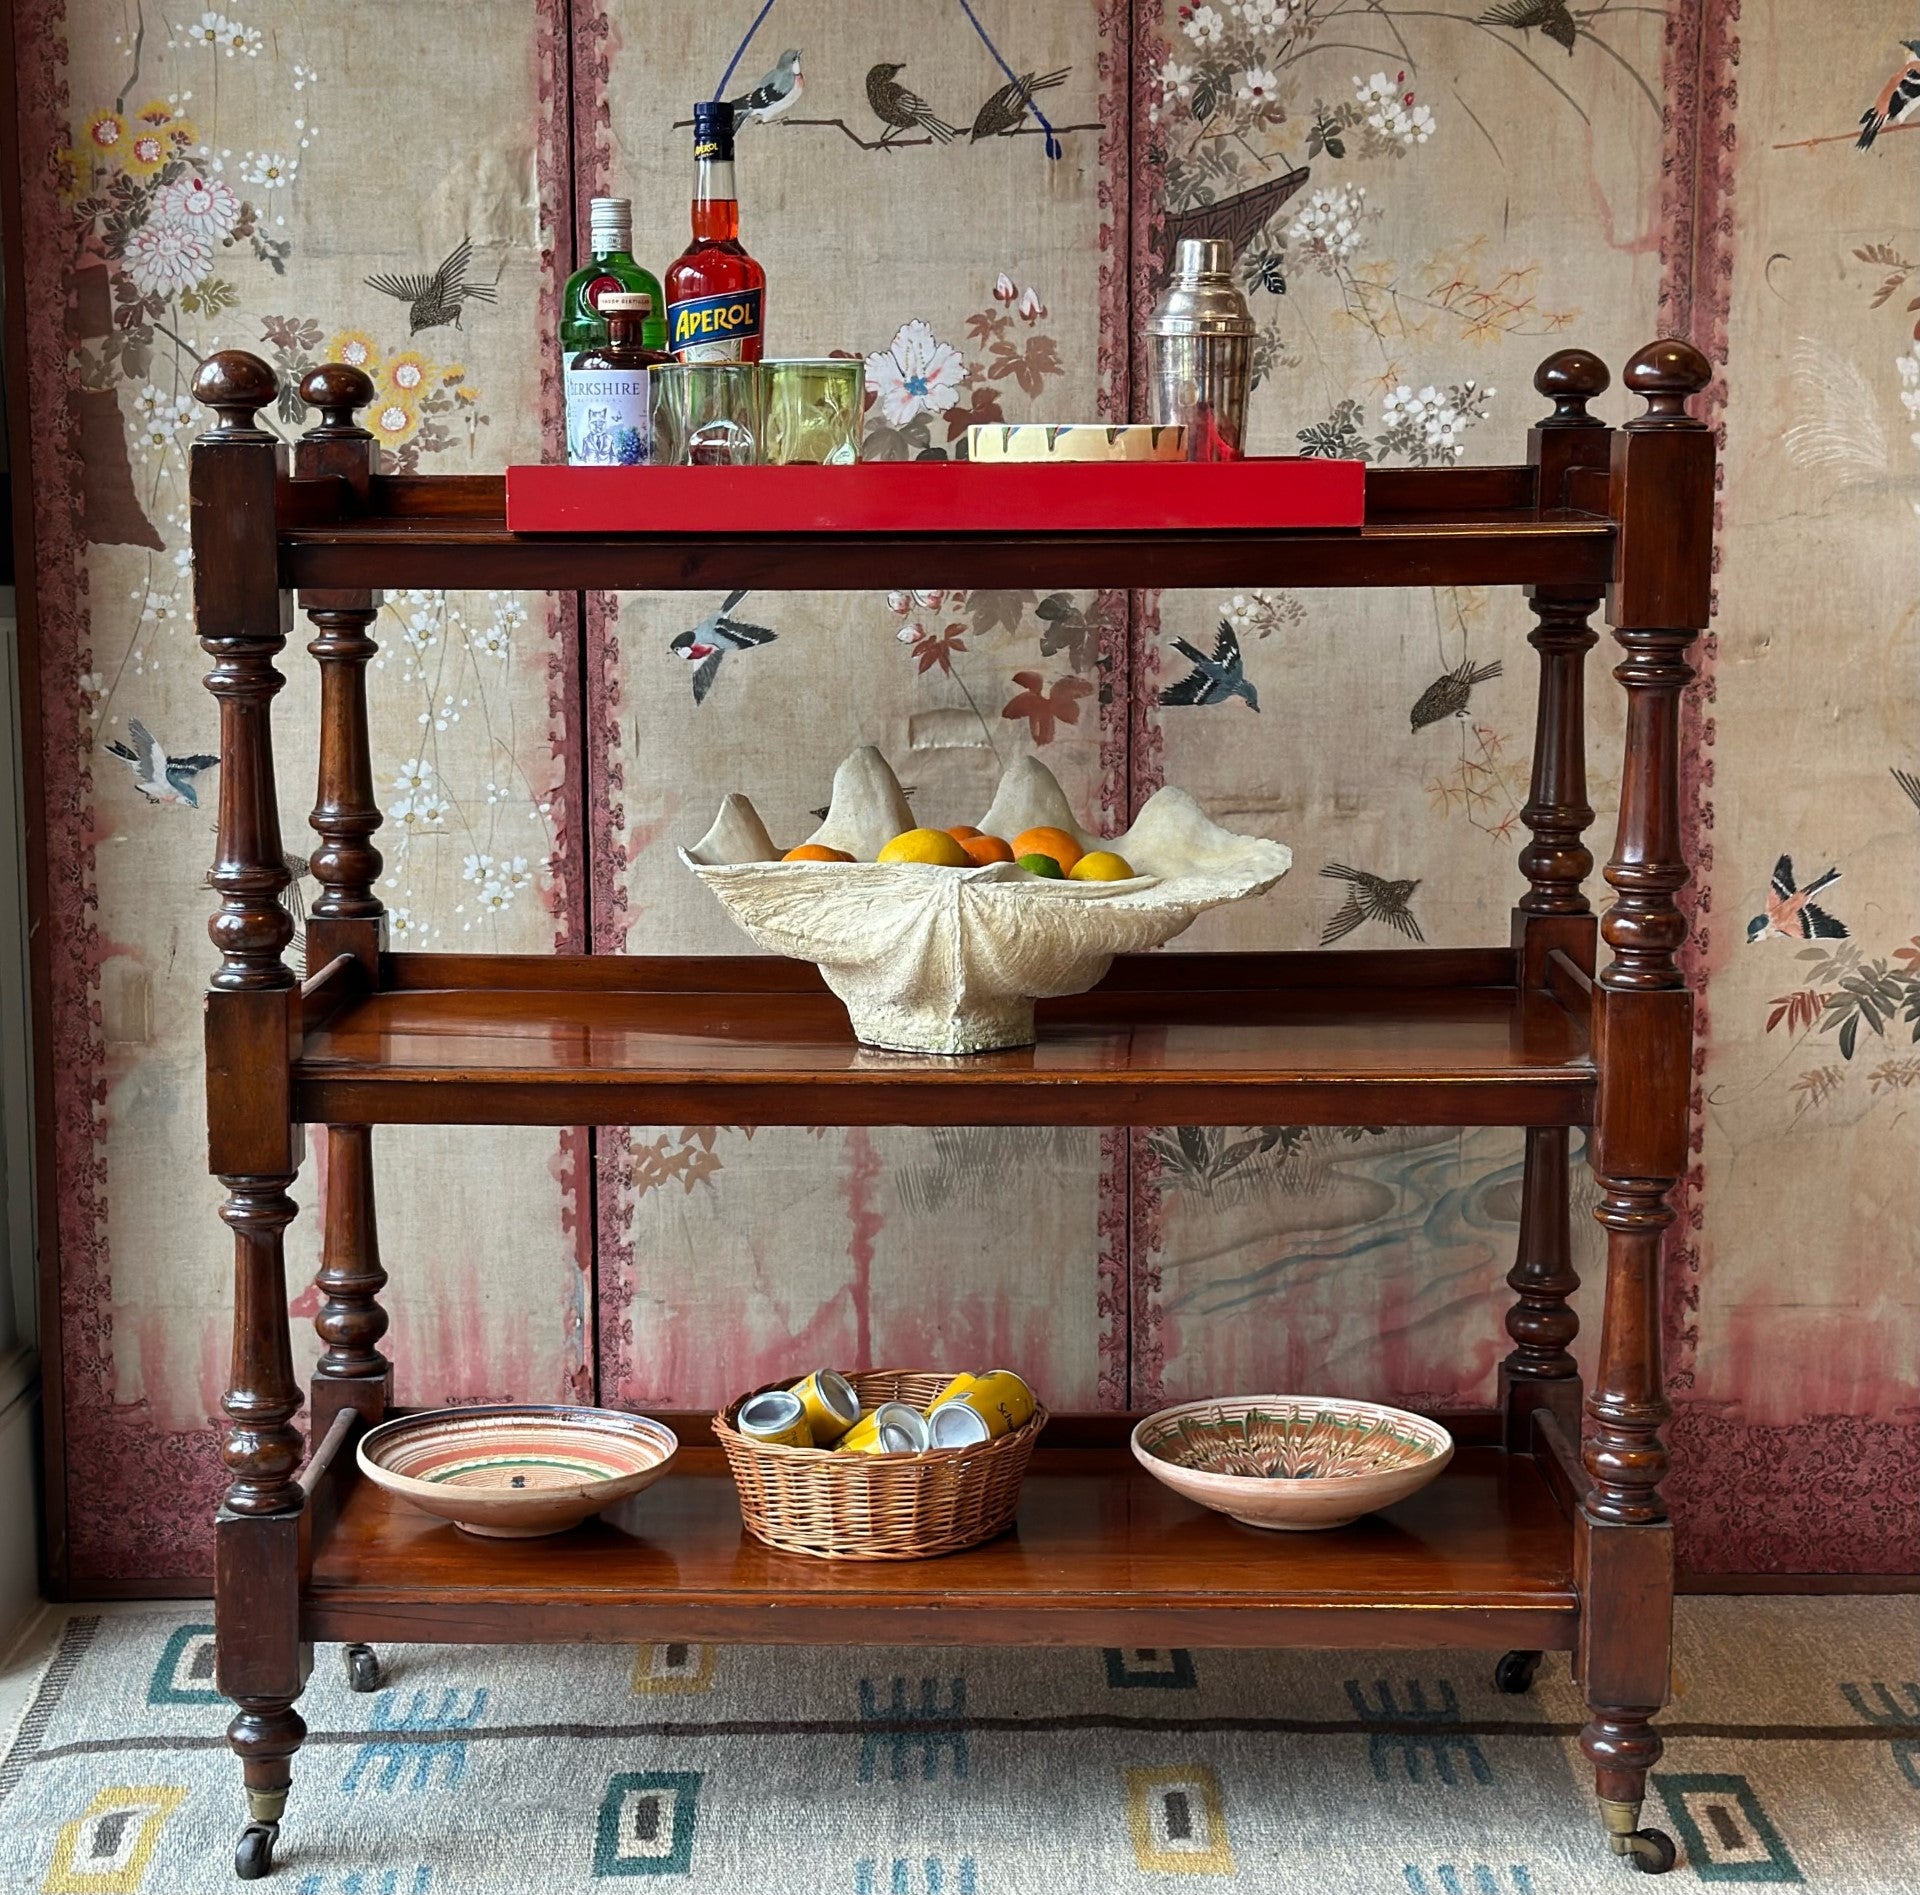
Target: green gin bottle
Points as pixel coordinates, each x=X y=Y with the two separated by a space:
x=610 y=271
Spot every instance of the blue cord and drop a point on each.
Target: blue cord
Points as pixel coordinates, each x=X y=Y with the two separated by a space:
x=739 y=52
x=1053 y=144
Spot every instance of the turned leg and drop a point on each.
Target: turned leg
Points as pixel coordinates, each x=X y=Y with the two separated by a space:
x=1541 y=1372
x=351 y=1371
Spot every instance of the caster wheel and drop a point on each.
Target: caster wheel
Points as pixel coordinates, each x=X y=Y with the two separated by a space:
x=1652 y=1850
x=363 y=1668
x=253 y=1856
x=1515 y=1672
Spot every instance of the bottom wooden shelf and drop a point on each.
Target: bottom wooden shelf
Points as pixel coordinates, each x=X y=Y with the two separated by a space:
x=1101 y=1555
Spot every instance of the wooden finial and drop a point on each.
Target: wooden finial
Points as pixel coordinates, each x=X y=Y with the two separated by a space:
x=1667 y=373
x=337 y=389
x=1571 y=379
x=236 y=386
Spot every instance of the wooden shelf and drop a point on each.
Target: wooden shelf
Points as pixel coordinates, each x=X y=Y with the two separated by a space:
x=1195 y=1039
x=1102 y=1554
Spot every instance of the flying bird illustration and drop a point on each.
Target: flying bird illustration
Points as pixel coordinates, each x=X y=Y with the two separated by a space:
x=900 y=110
x=1909 y=786
x=1371 y=898
x=1896 y=97
x=1212 y=680
x=778 y=92
x=1552 y=17
x=436 y=300
x=1792 y=913
x=1005 y=109
x=157 y=776
x=1447 y=695
x=707 y=644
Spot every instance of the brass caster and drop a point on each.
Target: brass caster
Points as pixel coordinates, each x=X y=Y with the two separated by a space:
x=266 y=1807
x=363 y=1668
x=253 y=1854
x=1651 y=1851
x=1515 y=1672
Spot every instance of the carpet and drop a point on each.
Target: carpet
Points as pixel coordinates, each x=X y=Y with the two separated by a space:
x=1793 y=1757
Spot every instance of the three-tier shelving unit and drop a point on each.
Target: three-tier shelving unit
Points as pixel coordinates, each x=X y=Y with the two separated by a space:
x=1547 y=1532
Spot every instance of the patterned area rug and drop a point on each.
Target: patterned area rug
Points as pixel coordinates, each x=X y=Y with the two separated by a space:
x=1794 y=1757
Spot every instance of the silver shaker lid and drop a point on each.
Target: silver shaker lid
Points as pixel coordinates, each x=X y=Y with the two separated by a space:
x=1200 y=297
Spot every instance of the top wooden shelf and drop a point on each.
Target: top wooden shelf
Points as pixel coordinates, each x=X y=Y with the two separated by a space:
x=1423 y=526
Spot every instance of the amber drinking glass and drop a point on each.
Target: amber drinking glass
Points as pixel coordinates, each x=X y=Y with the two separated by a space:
x=813 y=410
x=708 y=414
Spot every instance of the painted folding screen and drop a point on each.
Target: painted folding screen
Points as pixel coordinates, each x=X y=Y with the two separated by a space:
x=1424 y=202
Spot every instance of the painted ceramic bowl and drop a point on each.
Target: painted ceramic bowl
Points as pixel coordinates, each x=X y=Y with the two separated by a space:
x=517 y=1473
x=1293 y=1463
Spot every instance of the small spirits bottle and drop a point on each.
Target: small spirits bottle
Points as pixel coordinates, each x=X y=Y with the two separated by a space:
x=610 y=389
x=714 y=289
x=611 y=270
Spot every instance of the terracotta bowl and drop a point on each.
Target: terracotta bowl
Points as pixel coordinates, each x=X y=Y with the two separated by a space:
x=516 y=1473
x=1291 y=1463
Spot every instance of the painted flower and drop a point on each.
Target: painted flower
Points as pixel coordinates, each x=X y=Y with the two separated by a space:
x=1329 y=227
x=1031 y=308
x=202 y=204
x=1266 y=16
x=491 y=641
x=147 y=151
x=391 y=421
x=406 y=375
x=917 y=373
x=477 y=869
x=237 y=38
x=1176 y=80
x=209 y=31
x=355 y=348
x=428 y=810
x=415 y=775
x=911 y=632
x=106 y=131
x=163 y=256
x=1257 y=86
x=1005 y=289
x=401 y=925
x=1203 y=26
x=1908 y=366
x=268 y=169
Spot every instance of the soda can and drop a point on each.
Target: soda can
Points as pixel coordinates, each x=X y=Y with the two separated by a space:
x=832 y=1406
x=892 y=1428
x=776 y=1419
x=954 y=1425
x=999 y=1396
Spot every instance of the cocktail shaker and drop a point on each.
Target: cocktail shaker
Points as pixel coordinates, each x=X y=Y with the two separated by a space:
x=1200 y=352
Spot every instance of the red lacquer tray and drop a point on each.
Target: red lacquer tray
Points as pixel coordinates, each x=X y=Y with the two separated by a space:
x=940 y=497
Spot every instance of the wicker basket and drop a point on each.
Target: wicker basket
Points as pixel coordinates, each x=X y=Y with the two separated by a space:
x=878 y=1506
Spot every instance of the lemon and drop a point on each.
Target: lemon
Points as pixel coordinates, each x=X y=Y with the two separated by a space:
x=1043 y=865
x=927 y=845
x=1101 y=865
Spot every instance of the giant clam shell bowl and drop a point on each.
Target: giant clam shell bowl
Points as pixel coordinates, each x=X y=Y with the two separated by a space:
x=939 y=960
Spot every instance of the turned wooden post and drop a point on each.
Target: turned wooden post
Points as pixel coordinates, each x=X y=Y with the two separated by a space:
x=1554 y=912
x=347 y=917
x=1661 y=498
x=254 y=1145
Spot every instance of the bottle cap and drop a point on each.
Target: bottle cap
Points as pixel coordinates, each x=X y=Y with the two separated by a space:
x=712 y=129
x=625 y=303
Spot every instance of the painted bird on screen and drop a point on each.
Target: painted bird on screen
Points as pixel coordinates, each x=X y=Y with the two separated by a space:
x=436 y=300
x=1447 y=695
x=1896 y=97
x=1791 y=913
x=706 y=645
x=1212 y=680
x=1370 y=898
x=1554 y=18
x=778 y=92
x=1004 y=109
x=900 y=110
x=157 y=776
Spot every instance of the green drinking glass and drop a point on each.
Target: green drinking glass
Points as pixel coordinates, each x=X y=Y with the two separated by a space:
x=814 y=409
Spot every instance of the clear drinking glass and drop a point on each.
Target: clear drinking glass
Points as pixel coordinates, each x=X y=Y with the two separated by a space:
x=708 y=414
x=814 y=410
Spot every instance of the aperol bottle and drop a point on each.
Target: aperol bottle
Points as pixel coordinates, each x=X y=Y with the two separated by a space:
x=715 y=291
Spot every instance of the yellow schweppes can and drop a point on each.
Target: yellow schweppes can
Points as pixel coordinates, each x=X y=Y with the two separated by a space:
x=776 y=1419
x=832 y=1406
x=998 y=1396
x=892 y=1428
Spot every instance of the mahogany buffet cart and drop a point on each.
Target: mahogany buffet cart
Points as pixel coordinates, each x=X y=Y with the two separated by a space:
x=1548 y=1530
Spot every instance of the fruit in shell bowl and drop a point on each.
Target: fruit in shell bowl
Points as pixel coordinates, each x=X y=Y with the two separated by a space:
x=935 y=940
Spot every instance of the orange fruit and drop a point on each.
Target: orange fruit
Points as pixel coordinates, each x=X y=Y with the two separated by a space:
x=1047 y=841
x=816 y=852
x=933 y=846
x=1101 y=865
x=962 y=831
x=985 y=849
